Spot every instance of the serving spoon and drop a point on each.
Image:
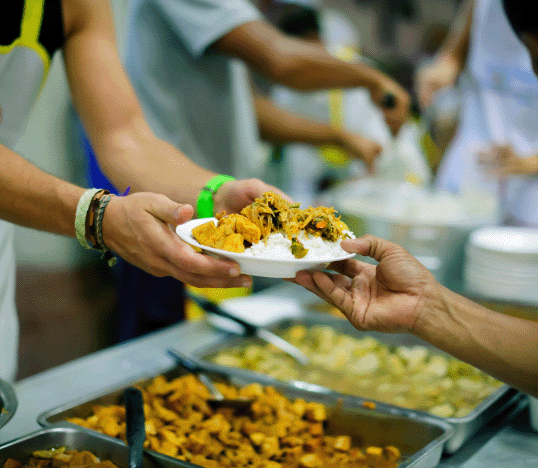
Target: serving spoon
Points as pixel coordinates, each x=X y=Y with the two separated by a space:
x=136 y=426
x=250 y=329
x=217 y=398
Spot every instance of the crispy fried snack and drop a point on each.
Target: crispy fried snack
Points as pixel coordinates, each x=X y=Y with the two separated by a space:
x=274 y=433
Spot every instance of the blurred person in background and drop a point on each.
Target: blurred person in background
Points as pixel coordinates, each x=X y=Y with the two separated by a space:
x=496 y=142
x=188 y=64
x=400 y=295
x=138 y=227
x=307 y=170
x=302 y=170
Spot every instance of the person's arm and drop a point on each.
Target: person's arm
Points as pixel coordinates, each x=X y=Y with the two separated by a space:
x=278 y=125
x=127 y=150
x=505 y=347
x=400 y=295
x=449 y=60
x=305 y=66
x=139 y=227
x=32 y=198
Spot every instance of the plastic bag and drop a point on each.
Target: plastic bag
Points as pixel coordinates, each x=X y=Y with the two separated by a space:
x=402 y=158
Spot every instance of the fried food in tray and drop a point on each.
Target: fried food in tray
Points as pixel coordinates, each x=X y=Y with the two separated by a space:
x=270 y=214
x=412 y=377
x=274 y=432
x=60 y=457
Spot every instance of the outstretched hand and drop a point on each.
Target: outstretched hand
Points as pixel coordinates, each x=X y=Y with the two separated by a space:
x=387 y=297
x=141 y=229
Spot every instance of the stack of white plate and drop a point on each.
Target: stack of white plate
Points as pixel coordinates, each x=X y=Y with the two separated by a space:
x=502 y=263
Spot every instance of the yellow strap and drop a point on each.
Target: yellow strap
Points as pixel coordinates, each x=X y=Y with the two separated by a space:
x=334 y=155
x=30 y=28
x=31 y=21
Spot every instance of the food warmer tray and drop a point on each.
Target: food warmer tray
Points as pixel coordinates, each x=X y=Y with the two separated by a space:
x=496 y=405
x=79 y=438
x=8 y=402
x=420 y=438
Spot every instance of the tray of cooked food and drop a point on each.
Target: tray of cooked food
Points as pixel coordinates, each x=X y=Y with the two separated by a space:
x=397 y=369
x=64 y=445
x=271 y=237
x=283 y=426
x=8 y=402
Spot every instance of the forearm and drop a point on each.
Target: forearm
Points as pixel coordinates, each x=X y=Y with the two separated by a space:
x=503 y=346
x=35 y=199
x=126 y=148
x=147 y=164
x=311 y=70
x=295 y=63
x=280 y=126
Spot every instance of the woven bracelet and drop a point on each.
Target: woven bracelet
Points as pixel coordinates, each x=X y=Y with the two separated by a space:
x=107 y=254
x=81 y=214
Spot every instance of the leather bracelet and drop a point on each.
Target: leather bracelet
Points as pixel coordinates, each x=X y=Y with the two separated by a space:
x=204 y=204
x=81 y=214
x=94 y=205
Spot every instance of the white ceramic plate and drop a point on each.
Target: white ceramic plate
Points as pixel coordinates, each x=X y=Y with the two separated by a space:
x=257 y=266
x=506 y=240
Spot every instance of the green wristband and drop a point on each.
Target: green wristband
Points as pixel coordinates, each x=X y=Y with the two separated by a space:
x=204 y=205
x=80 y=216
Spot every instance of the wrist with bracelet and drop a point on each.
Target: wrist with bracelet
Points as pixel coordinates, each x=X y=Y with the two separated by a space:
x=204 y=204
x=89 y=221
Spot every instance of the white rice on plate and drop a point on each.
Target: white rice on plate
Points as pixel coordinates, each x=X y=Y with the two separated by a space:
x=278 y=246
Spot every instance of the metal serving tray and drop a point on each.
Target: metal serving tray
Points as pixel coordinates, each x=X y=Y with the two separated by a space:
x=8 y=402
x=497 y=405
x=420 y=438
x=78 y=438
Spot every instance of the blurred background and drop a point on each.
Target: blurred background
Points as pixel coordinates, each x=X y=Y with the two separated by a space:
x=65 y=295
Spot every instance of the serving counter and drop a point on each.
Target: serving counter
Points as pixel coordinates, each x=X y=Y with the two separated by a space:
x=504 y=442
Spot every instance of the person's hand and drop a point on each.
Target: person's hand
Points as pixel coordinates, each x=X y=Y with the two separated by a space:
x=359 y=147
x=233 y=196
x=442 y=72
x=140 y=228
x=502 y=161
x=387 y=297
x=394 y=101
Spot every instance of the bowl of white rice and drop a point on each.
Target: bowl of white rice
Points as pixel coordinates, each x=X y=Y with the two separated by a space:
x=272 y=258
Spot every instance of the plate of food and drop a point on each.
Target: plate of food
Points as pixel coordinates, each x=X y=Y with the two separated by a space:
x=272 y=237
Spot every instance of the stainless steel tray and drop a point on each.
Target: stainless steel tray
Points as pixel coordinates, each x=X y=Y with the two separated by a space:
x=78 y=438
x=420 y=438
x=494 y=406
x=8 y=402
